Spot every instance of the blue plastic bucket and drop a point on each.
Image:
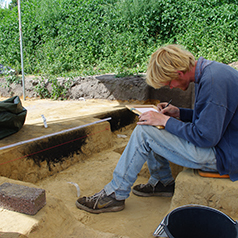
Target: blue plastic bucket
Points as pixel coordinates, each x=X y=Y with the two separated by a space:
x=195 y=221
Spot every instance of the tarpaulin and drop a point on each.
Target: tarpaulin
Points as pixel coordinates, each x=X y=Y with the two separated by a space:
x=12 y=116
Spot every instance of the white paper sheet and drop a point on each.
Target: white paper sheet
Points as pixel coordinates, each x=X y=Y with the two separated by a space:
x=146 y=109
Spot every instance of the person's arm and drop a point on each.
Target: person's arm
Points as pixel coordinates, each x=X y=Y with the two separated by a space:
x=186 y=114
x=206 y=129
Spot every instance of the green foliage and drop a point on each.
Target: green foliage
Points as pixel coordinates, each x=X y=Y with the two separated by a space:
x=13 y=4
x=59 y=91
x=48 y=86
x=13 y=79
x=97 y=36
x=41 y=88
x=212 y=29
x=10 y=79
x=9 y=38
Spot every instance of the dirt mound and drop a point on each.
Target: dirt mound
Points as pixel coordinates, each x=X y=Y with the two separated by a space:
x=92 y=87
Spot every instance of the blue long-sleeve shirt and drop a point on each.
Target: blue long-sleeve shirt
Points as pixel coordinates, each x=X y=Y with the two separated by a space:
x=214 y=120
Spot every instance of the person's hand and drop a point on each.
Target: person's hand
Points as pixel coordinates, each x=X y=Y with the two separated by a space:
x=170 y=110
x=153 y=118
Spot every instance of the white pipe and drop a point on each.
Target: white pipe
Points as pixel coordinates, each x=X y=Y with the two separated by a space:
x=53 y=134
x=21 y=47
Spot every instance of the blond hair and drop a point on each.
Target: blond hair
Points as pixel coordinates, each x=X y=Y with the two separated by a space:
x=165 y=62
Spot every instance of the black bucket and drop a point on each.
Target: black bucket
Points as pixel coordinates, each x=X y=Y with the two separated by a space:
x=195 y=221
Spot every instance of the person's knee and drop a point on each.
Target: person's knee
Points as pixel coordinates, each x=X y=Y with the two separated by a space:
x=146 y=129
x=140 y=129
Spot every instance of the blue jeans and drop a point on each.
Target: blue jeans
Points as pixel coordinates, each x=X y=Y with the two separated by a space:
x=157 y=148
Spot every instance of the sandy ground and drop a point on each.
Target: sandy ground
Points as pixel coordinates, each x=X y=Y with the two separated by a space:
x=60 y=218
x=140 y=217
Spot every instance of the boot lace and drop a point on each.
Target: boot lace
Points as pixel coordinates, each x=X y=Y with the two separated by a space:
x=96 y=197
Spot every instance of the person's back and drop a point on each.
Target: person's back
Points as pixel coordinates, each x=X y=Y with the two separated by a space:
x=223 y=82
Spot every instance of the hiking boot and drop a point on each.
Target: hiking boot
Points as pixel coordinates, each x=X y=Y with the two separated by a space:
x=147 y=190
x=99 y=203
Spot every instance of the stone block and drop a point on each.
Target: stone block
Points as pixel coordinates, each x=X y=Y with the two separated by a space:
x=218 y=193
x=21 y=198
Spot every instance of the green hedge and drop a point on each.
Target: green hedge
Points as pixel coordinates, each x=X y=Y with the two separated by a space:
x=97 y=36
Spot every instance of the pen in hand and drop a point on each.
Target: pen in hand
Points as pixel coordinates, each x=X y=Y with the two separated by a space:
x=168 y=103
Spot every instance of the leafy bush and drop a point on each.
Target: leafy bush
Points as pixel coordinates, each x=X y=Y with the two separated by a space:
x=97 y=36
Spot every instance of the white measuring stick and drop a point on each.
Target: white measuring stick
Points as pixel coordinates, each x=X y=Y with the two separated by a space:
x=53 y=134
x=44 y=120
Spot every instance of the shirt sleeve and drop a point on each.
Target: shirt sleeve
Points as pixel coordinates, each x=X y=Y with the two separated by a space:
x=205 y=130
x=186 y=115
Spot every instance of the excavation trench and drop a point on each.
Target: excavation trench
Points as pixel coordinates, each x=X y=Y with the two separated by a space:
x=82 y=144
x=85 y=156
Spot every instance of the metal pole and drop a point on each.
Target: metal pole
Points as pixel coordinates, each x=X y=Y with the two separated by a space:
x=21 y=48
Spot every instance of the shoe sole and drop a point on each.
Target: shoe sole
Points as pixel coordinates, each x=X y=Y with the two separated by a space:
x=98 y=211
x=158 y=194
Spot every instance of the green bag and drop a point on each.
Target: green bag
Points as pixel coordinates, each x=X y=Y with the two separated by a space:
x=12 y=116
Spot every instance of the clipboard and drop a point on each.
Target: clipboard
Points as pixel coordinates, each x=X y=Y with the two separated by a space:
x=139 y=109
